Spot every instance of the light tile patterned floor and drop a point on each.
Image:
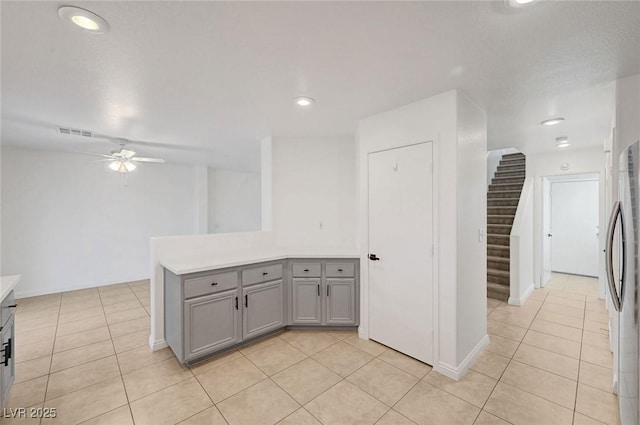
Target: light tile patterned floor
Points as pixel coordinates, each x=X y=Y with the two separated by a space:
x=85 y=353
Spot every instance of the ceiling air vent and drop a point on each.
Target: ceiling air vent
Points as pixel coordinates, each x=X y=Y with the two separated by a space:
x=75 y=132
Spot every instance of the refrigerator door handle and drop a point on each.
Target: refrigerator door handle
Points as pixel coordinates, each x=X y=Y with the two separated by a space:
x=613 y=221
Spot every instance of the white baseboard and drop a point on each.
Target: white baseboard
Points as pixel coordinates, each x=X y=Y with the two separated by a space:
x=47 y=291
x=157 y=345
x=457 y=372
x=523 y=297
x=362 y=333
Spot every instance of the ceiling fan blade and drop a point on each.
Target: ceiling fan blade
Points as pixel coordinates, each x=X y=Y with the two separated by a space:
x=102 y=160
x=96 y=154
x=140 y=159
x=126 y=153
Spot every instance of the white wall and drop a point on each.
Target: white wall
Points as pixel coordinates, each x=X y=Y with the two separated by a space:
x=472 y=219
x=548 y=164
x=266 y=181
x=493 y=160
x=436 y=119
x=627 y=121
x=314 y=191
x=521 y=262
x=233 y=201
x=69 y=223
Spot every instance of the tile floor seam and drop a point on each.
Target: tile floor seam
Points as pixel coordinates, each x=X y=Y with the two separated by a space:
x=342 y=379
x=363 y=389
x=263 y=371
x=117 y=362
x=575 y=400
x=51 y=361
x=499 y=380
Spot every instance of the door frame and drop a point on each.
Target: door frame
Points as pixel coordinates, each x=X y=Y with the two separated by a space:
x=546 y=184
x=363 y=167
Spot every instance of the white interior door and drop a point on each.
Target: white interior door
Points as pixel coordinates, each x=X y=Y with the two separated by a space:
x=401 y=236
x=574 y=226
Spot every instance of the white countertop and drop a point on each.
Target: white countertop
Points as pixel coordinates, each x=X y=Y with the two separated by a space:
x=7 y=283
x=180 y=266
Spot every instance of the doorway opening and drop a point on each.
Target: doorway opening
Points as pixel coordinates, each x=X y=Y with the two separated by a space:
x=570 y=225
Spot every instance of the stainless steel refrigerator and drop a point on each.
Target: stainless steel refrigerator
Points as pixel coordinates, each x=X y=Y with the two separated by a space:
x=622 y=276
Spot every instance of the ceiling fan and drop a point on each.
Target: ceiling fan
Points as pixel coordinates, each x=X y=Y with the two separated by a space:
x=124 y=160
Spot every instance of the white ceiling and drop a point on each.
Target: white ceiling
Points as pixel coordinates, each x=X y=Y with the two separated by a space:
x=216 y=77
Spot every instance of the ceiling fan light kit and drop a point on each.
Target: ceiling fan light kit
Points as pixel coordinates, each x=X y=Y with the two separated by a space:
x=122 y=166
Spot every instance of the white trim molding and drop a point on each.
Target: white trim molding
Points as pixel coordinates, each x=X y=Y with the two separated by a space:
x=523 y=297
x=157 y=345
x=457 y=372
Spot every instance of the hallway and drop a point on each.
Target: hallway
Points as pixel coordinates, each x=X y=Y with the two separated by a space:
x=551 y=357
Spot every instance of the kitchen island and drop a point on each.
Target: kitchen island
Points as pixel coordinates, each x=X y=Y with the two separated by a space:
x=214 y=306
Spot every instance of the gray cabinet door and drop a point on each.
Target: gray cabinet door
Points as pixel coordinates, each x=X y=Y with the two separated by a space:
x=263 y=308
x=211 y=323
x=341 y=302
x=7 y=364
x=306 y=301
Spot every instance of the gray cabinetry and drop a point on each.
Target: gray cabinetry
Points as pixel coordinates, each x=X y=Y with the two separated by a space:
x=207 y=312
x=340 y=308
x=328 y=298
x=306 y=301
x=263 y=308
x=211 y=323
x=7 y=338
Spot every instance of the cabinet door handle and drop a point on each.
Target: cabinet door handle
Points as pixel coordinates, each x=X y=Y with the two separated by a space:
x=327 y=290
x=7 y=352
x=12 y=306
x=246 y=300
x=306 y=270
x=236 y=303
x=265 y=273
x=214 y=283
x=340 y=270
x=318 y=289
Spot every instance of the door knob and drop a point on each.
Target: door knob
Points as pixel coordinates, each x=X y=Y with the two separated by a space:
x=374 y=257
x=549 y=235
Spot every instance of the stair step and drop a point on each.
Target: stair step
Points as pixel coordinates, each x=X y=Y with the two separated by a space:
x=498 y=251
x=506 y=186
x=498 y=292
x=513 y=159
x=514 y=155
x=502 y=202
x=498 y=229
x=517 y=173
x=504 y=194
x=501 y=210
x=520 y=168
x=508 y=179
x=498 y=276
x=500 y=219
x=498 y=263
x=502 y=240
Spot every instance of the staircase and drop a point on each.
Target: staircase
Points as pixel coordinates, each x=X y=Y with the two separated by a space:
x=502 y=202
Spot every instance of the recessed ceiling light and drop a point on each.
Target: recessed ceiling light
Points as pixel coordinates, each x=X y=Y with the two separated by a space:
x=519 y=3
x=562 y=142
x=552 y=121
x=303 y=101
x=87 y=21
